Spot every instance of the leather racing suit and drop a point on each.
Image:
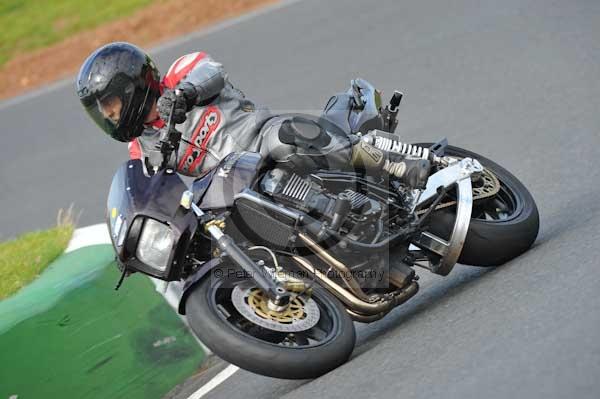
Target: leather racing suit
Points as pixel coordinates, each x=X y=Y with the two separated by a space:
x=225 y=121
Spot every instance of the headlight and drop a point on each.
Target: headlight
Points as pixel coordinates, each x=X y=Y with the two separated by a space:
x=155 y=244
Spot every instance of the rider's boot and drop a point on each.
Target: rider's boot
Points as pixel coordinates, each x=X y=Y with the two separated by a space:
x=413 y=172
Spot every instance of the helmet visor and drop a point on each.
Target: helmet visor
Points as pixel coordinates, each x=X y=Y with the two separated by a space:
x=110 y=109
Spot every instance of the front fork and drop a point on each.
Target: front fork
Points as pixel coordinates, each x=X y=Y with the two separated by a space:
x=459 y=174
x=275 y=290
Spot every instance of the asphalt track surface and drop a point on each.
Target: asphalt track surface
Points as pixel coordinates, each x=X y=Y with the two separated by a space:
x=517 y=81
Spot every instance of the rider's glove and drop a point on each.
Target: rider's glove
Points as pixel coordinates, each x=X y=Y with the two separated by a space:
x=183 y=103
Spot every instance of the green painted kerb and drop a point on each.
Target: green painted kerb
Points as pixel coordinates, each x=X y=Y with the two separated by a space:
x=70 y=335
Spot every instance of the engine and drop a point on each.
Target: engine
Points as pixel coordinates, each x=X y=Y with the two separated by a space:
x=309 y=196
x=348 y=212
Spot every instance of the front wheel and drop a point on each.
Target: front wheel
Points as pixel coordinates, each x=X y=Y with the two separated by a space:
x=502 y=227
x=231 y=316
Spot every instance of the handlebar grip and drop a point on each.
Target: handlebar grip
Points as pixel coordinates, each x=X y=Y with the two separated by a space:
x=357 y=95
x=395 y=100
x=170 y=123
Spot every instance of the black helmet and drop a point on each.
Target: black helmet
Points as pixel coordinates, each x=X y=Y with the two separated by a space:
x=118 y=85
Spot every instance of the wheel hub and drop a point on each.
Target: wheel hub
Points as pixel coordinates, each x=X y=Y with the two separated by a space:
x=299 y=315
x=487 y=186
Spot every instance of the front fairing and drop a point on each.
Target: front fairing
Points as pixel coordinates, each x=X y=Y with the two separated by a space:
x=134 y=197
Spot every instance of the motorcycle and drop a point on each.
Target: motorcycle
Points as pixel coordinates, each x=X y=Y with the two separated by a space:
x=276 y=265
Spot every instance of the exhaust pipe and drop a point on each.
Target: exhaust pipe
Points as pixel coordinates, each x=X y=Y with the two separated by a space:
x=345 y=273
x=359 y=308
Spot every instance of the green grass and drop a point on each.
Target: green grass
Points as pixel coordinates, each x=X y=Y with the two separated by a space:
x=24 y=258
x=31 y=24
x=83 y=340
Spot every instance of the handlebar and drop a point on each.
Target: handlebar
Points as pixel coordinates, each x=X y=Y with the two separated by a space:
x=169 y=137
x=171 y=122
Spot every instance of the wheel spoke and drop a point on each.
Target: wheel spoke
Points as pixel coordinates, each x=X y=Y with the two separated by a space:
x=500 y=207
x=301 y=339
x=316 y=333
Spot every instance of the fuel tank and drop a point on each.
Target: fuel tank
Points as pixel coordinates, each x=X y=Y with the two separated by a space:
x=235 y=173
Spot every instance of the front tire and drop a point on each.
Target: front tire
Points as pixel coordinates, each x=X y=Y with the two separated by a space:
x=493 y=240
x=234 y=338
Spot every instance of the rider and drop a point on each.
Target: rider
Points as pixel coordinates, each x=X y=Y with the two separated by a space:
x=121 y=90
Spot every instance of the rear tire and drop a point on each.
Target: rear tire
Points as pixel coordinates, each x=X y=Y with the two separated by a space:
x=227 y=340
x=493 y=242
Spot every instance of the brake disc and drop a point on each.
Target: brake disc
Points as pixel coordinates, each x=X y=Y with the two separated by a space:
x=300 y=314
x=488 y=186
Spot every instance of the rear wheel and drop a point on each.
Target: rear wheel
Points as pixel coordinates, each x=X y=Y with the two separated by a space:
x=231 y=316
x=502 y=227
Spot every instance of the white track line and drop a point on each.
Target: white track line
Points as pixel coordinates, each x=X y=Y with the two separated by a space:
x=215 y=382
x=90 y=235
